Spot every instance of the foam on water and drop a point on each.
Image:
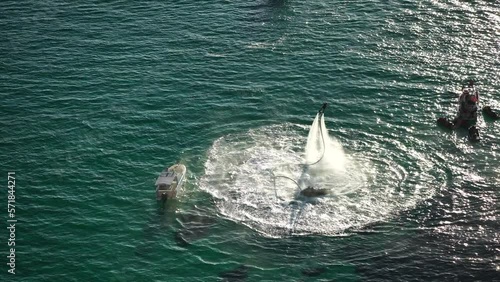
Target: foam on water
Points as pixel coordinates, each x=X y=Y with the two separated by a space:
x=363 y=189
x=325 y=160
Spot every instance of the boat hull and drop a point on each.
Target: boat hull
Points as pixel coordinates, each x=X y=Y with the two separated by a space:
x=170 y=181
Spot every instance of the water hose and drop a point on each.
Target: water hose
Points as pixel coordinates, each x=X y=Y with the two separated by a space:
x=282 y=176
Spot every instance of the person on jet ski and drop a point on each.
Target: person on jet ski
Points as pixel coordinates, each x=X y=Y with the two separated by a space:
x=467 y=108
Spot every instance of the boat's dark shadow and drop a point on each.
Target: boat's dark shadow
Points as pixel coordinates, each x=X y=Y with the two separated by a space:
x=158 y=224
x=239 y=273
x=184 y=227
x=266 y=4
x=195 y=224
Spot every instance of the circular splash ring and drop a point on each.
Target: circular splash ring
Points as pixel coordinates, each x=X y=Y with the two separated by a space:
x=363 y=188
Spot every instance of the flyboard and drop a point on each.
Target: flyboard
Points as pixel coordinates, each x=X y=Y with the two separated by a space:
x=315 y=151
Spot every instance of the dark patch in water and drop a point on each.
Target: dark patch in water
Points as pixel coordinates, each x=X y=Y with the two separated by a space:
x=267 y=4
x=143 y=250
x=488 y=113
x=238 y=274
x=194 y=227
x=179 y=239
x=156 y=228
x=313 y=271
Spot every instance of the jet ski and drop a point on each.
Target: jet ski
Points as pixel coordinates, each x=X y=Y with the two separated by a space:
x=467 y=113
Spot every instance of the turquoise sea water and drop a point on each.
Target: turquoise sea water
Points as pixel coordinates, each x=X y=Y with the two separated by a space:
x=98 y=98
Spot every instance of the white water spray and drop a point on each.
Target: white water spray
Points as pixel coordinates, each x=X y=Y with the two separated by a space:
x=324 y=156
x=363 y=187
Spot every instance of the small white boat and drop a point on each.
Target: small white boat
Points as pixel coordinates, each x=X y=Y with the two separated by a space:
x=170 y=180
